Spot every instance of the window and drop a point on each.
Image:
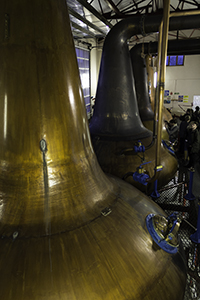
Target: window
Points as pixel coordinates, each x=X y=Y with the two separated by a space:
x=175 y=60
x=83 y=58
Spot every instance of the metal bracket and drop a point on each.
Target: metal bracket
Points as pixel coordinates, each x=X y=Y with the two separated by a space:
x=43 y=145
x=106 y=211
x=15 y=235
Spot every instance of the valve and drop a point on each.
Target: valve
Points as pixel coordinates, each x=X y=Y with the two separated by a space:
x=139 y=147
x=158 y=168
x=140 y=175
x=164 y=231
x=141 y=178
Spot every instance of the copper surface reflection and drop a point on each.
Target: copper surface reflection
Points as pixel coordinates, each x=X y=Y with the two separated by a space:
x=5 y=116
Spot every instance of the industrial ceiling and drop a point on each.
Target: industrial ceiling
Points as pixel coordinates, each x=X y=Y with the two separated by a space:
x=94 y=18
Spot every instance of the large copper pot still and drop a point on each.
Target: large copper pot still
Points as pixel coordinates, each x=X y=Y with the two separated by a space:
x=67 y=230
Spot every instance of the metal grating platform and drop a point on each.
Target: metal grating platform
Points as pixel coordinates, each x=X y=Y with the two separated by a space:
x=173 y=199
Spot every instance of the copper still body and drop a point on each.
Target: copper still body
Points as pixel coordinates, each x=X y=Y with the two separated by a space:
x=67 y=230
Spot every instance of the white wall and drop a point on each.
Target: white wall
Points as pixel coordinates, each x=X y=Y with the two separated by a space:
x=184 y=80
x=95 y=56
x=95 y=60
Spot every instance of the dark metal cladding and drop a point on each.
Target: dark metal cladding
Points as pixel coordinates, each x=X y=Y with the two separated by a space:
x=141 y=83
x=116 y=113
x=184 y=47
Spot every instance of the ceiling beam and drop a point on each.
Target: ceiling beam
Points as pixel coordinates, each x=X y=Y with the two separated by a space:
x=112 y=5
x=79 y=17
x=129 y=13
x=95 y=12
x=89 y=33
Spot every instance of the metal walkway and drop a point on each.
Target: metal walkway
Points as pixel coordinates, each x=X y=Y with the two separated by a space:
x=173 y=199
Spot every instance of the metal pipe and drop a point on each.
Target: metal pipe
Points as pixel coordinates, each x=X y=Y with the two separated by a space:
x=185 y=47
x=161 y=77
x=184 y=13
x=156 y=106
